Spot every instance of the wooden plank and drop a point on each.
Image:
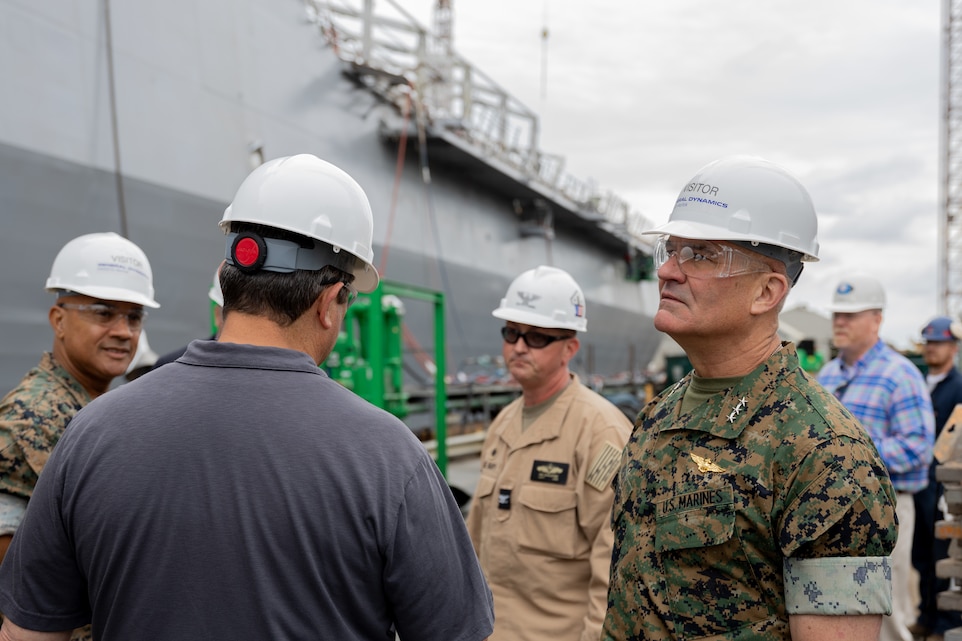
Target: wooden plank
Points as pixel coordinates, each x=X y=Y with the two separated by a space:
x=945 y=444
x=948 y=568
x=949 y=472
x=949 y=600
x=948 y=529
x=953 y=497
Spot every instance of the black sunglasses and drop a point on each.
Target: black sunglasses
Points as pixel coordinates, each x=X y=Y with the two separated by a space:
x=532 y=338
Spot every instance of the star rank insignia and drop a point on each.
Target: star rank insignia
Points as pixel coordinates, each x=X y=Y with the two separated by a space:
x=705 y=465
x=737 y=409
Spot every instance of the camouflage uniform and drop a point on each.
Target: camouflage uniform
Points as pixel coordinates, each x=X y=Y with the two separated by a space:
x=767 y=499
x=33 y=416
x=32 y=419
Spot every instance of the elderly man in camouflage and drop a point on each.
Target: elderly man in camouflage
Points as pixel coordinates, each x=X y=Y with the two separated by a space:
x=749 y=504
x=103 y=282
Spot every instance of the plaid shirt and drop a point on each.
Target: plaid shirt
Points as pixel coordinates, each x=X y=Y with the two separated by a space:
x=887 y=394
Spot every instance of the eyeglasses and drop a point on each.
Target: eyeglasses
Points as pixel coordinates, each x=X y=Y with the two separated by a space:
x=108 y=315
x=351 y=292
x=532 y=338
x=706 y=259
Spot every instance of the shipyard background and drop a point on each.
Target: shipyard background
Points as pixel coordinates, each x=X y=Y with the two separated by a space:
x=490 y=138
x=580 y=124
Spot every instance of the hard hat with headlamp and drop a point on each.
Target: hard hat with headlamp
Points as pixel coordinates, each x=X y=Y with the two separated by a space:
x=310 y=197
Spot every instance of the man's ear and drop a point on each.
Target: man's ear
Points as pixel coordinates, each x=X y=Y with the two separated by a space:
x=326 y=306
x=772 y=290
x=57 y=317
x=572 y=346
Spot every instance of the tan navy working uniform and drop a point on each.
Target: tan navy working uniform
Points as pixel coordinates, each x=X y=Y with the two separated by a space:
x=540 y=520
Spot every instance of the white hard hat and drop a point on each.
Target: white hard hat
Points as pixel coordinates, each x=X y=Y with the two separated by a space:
x=544 y=297
x=747 y=199
x=311 y=197
x=144 y=356
x=215 y=293
x=857 y=294
x=105 y=266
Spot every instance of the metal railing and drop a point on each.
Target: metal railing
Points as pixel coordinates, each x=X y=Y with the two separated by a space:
x=403 y=60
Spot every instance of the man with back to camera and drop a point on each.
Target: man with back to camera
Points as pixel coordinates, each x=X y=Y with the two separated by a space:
x=749 y=504
x=885 y=391
x=102 y=282
x=239 y=493
x=540 y=515
x=940 y=349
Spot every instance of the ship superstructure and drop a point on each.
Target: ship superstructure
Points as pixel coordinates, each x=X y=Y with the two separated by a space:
x=144 y=118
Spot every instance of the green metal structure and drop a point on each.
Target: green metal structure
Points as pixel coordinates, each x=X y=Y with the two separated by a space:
x=368 y=356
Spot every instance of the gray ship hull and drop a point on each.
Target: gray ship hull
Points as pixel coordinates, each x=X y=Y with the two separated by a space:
x=202 y=90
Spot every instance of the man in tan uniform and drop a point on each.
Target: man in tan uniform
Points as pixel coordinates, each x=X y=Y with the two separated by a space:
x=540 y=519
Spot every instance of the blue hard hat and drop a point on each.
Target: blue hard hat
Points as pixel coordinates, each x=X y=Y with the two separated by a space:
x=939 y=329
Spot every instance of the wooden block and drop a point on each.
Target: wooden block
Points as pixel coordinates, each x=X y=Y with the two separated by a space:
x=953 y=495
x=949 y=600
x=946 y=442
x=948 y=529
x=955 y=549
x=948 y=568
x=955 y=634
x=949 y=472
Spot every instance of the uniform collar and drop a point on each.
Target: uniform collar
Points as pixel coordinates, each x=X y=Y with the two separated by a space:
x=207 y=353
x=547 y=426
x=52 y=368
x=728 y=413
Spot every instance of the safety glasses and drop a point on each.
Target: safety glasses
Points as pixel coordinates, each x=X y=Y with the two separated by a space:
x=108 y=315
x=706 y=259
x=351 y=292
x=532 y=338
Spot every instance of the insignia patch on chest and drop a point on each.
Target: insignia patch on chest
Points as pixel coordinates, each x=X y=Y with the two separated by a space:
x=705 y=465
x=604 y=466
x=549 y=472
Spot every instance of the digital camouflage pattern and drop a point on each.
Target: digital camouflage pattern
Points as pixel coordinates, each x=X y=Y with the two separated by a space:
x=33 y=417
x=837 y=585
x=710 y=503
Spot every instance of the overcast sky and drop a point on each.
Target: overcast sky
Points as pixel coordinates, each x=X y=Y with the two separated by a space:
x=640 y=95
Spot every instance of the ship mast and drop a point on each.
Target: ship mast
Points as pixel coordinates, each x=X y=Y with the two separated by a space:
x=442 y=45
x=443 y=26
